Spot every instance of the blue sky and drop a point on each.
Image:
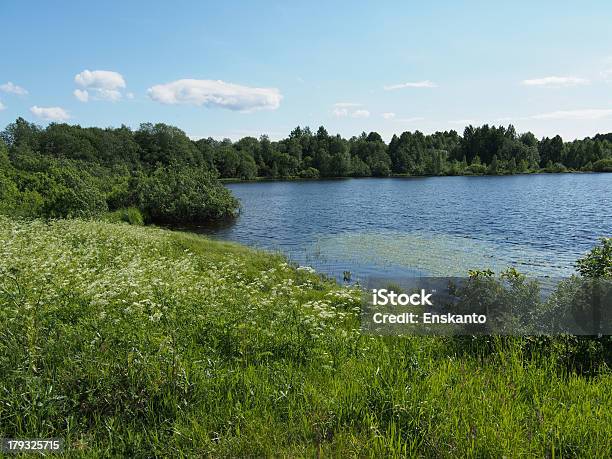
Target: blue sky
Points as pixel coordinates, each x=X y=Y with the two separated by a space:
x=232 y=69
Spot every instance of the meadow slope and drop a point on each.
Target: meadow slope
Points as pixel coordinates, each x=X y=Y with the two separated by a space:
x=141 y=342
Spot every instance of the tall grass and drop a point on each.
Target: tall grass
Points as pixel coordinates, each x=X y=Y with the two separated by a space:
x=136 y=341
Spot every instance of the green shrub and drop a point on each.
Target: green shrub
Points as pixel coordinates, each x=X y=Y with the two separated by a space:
x=176 y=194
x=72 y=193
x=554 y=168
x=598 y=262
x=603 y=165
x=9 y=194
x=309 y=173
x=476 y=169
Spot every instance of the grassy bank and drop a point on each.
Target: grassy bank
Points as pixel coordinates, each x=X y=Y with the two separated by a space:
x=138 y=341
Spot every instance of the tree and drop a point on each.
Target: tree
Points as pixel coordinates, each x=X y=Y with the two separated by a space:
x=22 y=133
x=163 y=144
x=598 y=262
x=493 y=167
x=182 y=194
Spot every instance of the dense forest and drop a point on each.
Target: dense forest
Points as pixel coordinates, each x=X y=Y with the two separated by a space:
x=157 y=172
x=481 y=150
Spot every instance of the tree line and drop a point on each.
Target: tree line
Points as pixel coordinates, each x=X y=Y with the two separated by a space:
x=481 y=150
x=67 y=170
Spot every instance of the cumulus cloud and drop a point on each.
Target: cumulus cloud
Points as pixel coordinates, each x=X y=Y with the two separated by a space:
x=388 y=115
x=555 y=82
x=340 y=112
x=2 y=106
x=360 y=114
x=100 y=84
x=216 y=93
x=345 y=109
x=414 y=84
x=584 y=114
x=81 y=94
x=100 y=79
x=109 y=94
x=50 y=113
x=13 y=89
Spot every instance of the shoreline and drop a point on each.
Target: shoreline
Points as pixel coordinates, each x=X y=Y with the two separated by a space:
x=392 y=176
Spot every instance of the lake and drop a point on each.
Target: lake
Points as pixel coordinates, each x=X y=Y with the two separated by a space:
x=434 y=226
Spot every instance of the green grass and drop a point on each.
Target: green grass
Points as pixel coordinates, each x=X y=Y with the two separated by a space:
x=140 y=342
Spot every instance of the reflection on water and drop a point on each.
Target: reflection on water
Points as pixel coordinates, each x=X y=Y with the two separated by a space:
x=439 y=226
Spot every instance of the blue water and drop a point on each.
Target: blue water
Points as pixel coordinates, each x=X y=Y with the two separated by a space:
x=539 y=224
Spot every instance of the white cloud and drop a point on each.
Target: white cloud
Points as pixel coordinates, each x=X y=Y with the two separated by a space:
x=414 y=84
x=81 y=94
x=607 y=74
x=100 y=79
x=393 y=117
x=340 y=112
x=345 y=109
x=2 y=106
x=13 y=89
x=50 y=113
x=101 y=84
x=555 y=82
x=216 y=93
x=360 y=114
x=109 y=94
x=585 y=114
x=130 y=95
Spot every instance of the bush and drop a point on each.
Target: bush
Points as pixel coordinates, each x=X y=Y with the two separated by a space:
x=598 y=262
x=603 y=165
x=554 y=168
x=310 y=173
x=176 y=194
x=476 y=169
x=71 y=194
x=9 y=194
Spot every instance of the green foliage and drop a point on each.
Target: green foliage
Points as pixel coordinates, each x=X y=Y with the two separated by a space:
x=602 y=165
x=163 y=144
x=309 y=173
x=9 y=194
x=69 y=171
x=476 y=169
x=183 y=194
x=71 y=193
x=554 y=168
x=598 y=262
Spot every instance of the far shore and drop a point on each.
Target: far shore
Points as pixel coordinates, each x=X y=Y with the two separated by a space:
x=292 y=178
